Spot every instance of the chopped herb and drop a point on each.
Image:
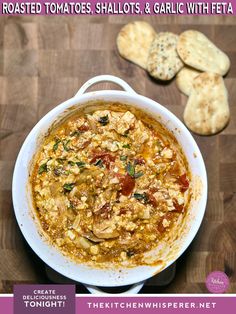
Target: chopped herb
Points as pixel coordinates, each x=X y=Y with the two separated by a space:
x=43 y=168
x=99 y=163
x=130 y=169
x=71 y=163
x=71 y=206
x=104 y=120
x=138 y=174
x=80 y=164
x=123 y=158
x=141 y=197
x=68 y=187
x=60 y=160
x=138 y=196
x=65 y=145
x=75 y=133
x=126 y=146
x=130 y=253
x=57 y=171
x=60 y=171
x=159 y=146
x=126 y=133
x=55 y=146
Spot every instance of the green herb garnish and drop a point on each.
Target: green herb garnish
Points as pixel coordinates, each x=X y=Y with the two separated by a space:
x=159 y=146
x=126 y=133
x=126 y=146
x=138 y=196
x=123 y=158
x=104 y=120
x=65 y=145
x=68 y=187
x=130 y=253
x=75 y=133
x=71 y=163
x=55 y=146
x=99 y=163
x=60 y=160
x=138 y=174
x=71 y=206
x=80 y=164
x=130 y=169
x=43 y=168
x=57 y=171
x=141 y=197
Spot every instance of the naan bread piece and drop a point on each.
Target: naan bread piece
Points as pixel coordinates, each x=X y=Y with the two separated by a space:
x=163 y=60
x=134 y=41
x=197 y=51
x=207 y=109
x=184 y=79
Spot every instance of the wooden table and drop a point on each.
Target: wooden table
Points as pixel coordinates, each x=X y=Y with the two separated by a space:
x=44 y=61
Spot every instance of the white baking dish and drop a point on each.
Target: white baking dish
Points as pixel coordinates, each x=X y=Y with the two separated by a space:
x=24 y=209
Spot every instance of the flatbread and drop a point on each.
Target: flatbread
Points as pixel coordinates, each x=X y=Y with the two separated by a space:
x=207 y=109
x=163 y=60
x=184 y=79
x=134 y=41
x=197 y=51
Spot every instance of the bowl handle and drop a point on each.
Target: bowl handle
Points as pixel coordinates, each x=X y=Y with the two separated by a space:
x=105 y=78
x=134 y=289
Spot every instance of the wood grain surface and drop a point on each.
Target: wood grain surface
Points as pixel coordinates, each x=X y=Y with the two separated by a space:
x=44 y=61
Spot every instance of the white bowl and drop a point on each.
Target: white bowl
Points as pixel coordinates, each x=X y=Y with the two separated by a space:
x=23 y=202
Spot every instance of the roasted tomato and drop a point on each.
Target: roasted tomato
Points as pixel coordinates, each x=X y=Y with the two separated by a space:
x=139 y=161
x=104 y=211
x=152 y=200
x=184 y=182
x=160 y=227
x=85 y=144
x=178 y=208
x=83 y=128
x=123 y=211
x=127 y=184
x=105 y=157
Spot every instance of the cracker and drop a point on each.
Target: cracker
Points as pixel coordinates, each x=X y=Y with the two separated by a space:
x=197 y=51
x=134 y=41
x=184 y=79
x=207 y=109
x=163 y=60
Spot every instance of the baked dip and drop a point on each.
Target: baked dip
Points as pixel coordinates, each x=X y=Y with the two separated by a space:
x=108 y=185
